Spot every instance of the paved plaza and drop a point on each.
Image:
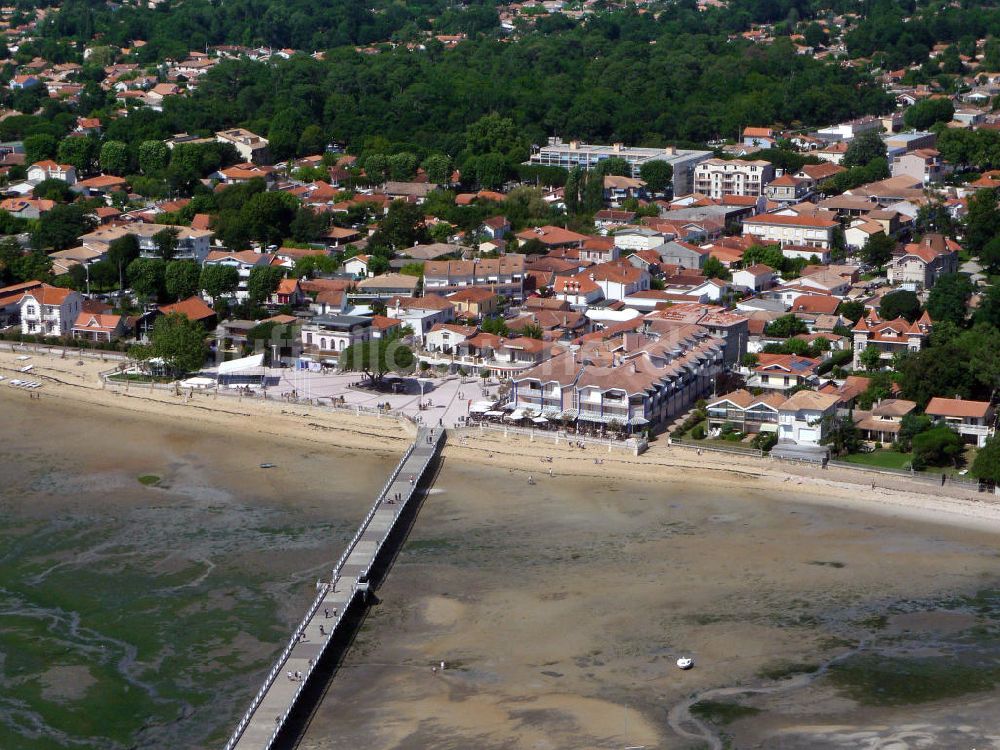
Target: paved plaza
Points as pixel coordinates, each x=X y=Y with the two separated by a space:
x=446 y=399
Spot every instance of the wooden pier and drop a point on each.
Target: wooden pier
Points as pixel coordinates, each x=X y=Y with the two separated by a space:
x=323 y=623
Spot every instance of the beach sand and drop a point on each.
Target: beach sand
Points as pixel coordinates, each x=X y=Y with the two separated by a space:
x=560 y=607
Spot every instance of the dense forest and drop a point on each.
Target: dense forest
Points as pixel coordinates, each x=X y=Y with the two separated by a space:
x=620 y=76
x=175 y=26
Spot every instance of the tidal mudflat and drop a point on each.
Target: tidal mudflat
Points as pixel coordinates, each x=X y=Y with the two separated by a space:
x=560 y=609
x=150 y=570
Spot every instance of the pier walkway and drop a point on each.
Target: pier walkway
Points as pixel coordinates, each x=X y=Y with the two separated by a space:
x=270 y=708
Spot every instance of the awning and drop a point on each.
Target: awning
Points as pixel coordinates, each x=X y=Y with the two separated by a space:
x=639 y=421
x=493 y=414
x=480 y=406
x=242 y=365
x=516 y=415
x=197 y=383
x=539 y=420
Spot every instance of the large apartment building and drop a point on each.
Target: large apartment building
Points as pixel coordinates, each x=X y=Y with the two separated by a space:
x=718 y=178
x=576 y=154
x=634 y=380
x=503 y=275
x=805 y=231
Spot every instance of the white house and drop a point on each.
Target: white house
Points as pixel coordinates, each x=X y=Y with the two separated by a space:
x=49 y=170
x=805 y=417
x=631 y=240
x=811 y=231
x=973 y=420
x=49 y=311
x=444 y=337
x=357 y=266
x=754 y=278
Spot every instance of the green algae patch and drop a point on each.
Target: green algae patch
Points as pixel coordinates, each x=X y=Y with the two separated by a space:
x=874 y=680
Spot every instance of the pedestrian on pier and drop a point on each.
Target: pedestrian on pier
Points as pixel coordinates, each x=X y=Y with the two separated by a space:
x=321 y=630
x=326 y=613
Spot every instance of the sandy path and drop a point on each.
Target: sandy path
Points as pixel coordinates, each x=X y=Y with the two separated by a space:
x=66 y=378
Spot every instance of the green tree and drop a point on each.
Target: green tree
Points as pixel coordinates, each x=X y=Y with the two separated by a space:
x=153 y=157
x=377 y=167
x=714 y=269
x=901 y=303
x=263 y=282
x=982 y=222
x=179 y=342
x=532 y=331
x=402 y=227
x=491 y=171
x=986 y=465
x=312 y=141
x=147 y=278
x=988 y=312
x=937 y=446
x=934 y=217
x=851 y=310
x=402 y=166
x=989 y=256
x=53 y=190
x=376 y=357
x=494 y=325
x=308 y=225
x=769 y=255
x=871 y=359
x=842 y=436
x=814 y=35
x=81 y=152
x=438 y=168
x=166 y=242
x=877 y=250
x=864 y=149
x=114 y=157
x=181 y=279
x=61 y=227
x=935 y=370
x=613 y=165
x=40 y=147
x=268 y=216
x=495 y=134
x=949 y=299
x=786 y=326
x=311 y=265
x=121 y=252
x=217 y=281
x=928 y=112
x=658 y=175
x=910 y=426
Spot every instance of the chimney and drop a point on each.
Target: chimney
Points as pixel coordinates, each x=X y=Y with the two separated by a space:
x=634 y=368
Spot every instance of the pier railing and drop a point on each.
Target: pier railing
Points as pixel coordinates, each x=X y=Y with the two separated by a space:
x=434 y=439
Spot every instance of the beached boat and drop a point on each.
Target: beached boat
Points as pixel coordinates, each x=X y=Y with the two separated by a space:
x=267 y=466
x=685 y=663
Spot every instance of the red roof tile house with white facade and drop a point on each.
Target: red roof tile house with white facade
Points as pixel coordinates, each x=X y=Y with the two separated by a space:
x=889 y=336
x=809 y=231
x=973 y=420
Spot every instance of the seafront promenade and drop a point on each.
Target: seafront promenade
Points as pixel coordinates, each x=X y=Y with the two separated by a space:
x=325 y=622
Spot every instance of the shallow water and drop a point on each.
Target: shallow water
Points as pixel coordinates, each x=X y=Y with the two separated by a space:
x=561 y=610
x=144 y=616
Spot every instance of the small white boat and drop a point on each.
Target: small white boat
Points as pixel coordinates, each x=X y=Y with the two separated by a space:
x=685 y=663
x=267 y=466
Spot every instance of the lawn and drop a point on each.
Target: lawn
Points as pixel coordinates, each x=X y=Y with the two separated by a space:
x=881 y=459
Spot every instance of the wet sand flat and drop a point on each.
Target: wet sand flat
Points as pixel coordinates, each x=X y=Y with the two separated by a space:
x=560 y=609
x=145 y=615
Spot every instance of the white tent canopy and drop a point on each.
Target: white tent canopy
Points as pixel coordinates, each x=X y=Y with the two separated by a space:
x=243 y=364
